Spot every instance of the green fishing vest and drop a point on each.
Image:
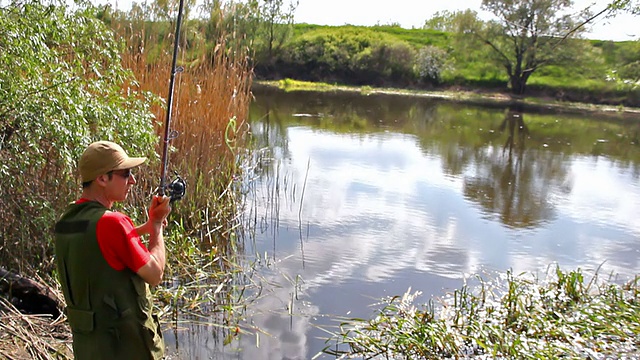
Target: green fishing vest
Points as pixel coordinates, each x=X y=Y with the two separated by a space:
x=109 y=311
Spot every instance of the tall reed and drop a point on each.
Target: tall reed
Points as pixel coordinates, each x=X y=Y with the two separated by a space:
x=210 y=111
x=211 y=103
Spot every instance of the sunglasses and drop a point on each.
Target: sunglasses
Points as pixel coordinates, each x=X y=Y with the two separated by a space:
x=126 y=173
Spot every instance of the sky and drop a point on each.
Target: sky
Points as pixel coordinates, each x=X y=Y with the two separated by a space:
x=413 y=13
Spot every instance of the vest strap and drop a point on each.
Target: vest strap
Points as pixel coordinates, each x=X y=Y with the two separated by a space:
x=72 y=227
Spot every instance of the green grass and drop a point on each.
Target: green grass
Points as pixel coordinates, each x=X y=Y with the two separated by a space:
x=564 y=315
x=416 y=37
x=297 y=85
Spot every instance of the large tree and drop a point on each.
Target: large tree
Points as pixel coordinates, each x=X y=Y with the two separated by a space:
x=529 y=34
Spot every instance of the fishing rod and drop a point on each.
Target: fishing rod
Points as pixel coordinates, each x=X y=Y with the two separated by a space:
x=177 y=188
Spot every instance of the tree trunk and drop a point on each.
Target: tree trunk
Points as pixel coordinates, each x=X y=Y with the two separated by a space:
x=518 y=85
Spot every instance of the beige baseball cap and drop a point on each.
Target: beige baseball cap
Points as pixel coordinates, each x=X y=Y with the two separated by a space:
x=103 y=156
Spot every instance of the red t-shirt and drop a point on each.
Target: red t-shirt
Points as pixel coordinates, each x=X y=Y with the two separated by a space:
x=119 y=242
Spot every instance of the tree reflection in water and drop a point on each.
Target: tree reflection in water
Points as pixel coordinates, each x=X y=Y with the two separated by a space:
x=514 y=119
x=516 y=184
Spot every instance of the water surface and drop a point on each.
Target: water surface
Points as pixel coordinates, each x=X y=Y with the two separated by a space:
x=359 y=197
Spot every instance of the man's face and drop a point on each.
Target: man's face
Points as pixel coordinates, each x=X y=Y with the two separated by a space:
x=119 y=184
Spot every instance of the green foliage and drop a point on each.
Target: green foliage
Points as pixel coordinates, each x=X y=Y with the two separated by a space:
x=354 y=54
x=454 y=23
x=275 y=28
x=415 y=37
x=441 y=21
x=631 y=6
x=278 y=51
x=536 y=28
x=61 y=87
x=481 y=54
x=510 y=317
x=264 y=26
x=430 y=63
x=631 y=71
x=624 y=55
x=291 y=85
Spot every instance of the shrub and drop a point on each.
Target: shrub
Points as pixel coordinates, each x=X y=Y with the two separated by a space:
x=431 y=61
x=61 y=87
x=352 y=54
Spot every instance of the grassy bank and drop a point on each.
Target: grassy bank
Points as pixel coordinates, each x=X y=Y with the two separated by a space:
x=458 y=94
x=598 y=72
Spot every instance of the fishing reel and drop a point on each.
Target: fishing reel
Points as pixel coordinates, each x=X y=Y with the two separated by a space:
x=176 y=189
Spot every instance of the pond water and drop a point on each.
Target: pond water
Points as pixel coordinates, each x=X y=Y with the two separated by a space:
x=360 y=197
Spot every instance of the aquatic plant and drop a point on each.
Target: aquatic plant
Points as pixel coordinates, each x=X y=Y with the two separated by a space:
x=511 y=316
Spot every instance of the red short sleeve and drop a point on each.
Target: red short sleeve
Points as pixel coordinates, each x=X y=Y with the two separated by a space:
x=120 y=243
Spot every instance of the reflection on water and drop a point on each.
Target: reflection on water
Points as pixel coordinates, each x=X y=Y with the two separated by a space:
x=361 y=197
x=516 y=184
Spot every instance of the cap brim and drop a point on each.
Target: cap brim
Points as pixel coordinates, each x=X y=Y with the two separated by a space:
x=131 y=163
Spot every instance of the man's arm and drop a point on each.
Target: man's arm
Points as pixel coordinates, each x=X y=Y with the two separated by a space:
x=143 y=229
x=153 y=270
x=146 y=228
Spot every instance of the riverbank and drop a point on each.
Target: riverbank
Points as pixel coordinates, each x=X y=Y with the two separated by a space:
x=485 y=97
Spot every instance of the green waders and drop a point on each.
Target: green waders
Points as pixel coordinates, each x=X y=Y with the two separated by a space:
x=109 y=311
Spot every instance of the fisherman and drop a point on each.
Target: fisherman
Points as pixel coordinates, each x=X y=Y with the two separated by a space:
x=105 y=270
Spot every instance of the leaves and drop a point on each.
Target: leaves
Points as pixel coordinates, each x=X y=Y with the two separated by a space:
x=529 y=35
x=62 y=86
x=361 y=55
x=507 y=317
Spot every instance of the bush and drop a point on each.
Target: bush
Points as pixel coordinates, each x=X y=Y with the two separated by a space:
x=61 y=87
x=352 y=54
x=430 y=63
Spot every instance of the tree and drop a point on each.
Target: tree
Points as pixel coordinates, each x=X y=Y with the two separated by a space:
x=431 y=61
x=261 y=25
x=167 y=10
x=440 y=21
x=275 y=26
x=457 y=22
x=530 y=34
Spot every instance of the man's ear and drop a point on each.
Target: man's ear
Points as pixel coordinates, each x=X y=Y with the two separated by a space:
x=102 y=179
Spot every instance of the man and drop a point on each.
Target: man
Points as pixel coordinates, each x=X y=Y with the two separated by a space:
x=104 y=268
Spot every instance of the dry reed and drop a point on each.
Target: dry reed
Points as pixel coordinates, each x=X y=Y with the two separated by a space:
x=210 y=110
x=32 y=336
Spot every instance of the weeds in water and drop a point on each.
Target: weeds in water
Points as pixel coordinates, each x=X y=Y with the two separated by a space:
x=510 y=317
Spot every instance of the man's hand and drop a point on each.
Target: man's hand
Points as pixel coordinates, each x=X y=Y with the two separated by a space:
x=159 y=209
x=158 y=212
